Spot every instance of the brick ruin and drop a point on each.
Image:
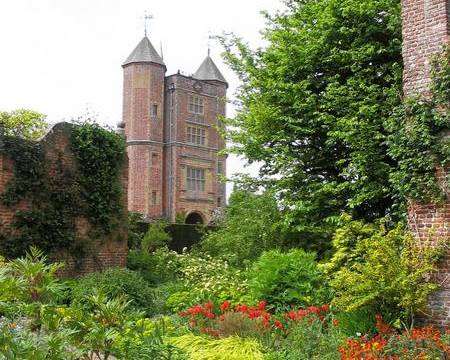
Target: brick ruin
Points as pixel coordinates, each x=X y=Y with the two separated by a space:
x=101 y=253
x=426 y=31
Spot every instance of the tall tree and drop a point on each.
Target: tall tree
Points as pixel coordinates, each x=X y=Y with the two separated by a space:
x=24 y=123
x=314 y=103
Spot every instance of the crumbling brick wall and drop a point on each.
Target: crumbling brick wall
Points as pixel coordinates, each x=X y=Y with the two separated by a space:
x=100 y=253
x=426 y=31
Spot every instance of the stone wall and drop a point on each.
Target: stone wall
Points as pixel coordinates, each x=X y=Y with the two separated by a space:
x=426 y=31
x=109 y=251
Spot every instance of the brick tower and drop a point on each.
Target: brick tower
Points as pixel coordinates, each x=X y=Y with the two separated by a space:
x=173 y=144
x=426 y=30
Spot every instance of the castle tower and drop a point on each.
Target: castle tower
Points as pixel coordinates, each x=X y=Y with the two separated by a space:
x=194 y=165
x=143 y=103
x=171 y=122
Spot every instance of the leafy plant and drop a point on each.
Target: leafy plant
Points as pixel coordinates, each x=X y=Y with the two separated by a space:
x=390 y=272
x=206 y=278
x=309 y=339
x=286 y=279
x=231 y=348
x=156 y=237
x=115 y=283
x=157 y=267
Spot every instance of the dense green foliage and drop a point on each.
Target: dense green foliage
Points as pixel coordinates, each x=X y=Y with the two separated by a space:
x=115 y=283
x=27 y=124
x=419 y=139
x=35 y=325
x=252 y=224
x=59 y=196
x=385 y=271
x=155 y=237
x=100 y=154
x=231 y=348
x=309 y=340
x=286 y=279
x=157 y=267
x=314 y=103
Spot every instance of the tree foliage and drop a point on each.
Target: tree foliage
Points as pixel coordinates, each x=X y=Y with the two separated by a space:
x=254 y=223
x=386 y=271
x=313 y=106
x=24 y=123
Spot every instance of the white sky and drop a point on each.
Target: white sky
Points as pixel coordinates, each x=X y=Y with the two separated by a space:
x=62 y=57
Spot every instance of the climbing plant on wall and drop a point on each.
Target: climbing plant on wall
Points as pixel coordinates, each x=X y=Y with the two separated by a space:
x=418 y=140
x=59 y=193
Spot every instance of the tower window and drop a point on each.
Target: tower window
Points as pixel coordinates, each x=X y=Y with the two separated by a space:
x=220 y=168
x=196 y=105
x=196 y=135
x=154 y=110
x=154 y=159
x=195 y=179
x=154 y=197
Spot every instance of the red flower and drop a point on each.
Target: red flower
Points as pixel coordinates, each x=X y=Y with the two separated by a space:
x=335 y=322
x=278 y=324
x=262 y=305
x=225 y=306
x=209 y=315
x=242 y=308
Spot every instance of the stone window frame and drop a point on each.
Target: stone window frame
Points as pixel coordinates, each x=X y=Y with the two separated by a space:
x=153 y=110
x=196 y=105
x=220 y=168
x=195 y=179
x=196 y=135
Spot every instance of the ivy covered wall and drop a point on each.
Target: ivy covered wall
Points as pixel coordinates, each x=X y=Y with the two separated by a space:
x=65 y=194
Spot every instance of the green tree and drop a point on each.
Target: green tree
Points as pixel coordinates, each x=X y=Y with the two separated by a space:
x=254 y=223
x=314 y=103
x=24 y=123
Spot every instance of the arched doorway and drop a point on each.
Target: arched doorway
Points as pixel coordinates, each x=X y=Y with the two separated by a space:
x=194 y=218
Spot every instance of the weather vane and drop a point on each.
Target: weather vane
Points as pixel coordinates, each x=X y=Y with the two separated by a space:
x=147 y=18
x=209 y=42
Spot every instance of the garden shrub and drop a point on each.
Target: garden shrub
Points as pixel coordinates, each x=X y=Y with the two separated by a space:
x=115 y=282
x=155 y=237
x=156 y=267
x=389 y=273
x=309 y=339
x=252 y=224
x=206 y=278
x=286 y=279
x=231 y=348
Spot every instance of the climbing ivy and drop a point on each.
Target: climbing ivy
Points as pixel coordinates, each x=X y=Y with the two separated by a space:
x=100 y=155
x=60 y=194
x=419 y=140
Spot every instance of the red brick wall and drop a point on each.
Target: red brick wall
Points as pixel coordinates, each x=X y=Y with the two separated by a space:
x=106 y=252
x=425 y=32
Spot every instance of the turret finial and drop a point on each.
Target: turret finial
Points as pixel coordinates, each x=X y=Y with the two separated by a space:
x=147 y=18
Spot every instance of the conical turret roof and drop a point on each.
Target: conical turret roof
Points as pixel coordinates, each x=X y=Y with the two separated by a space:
x=144 y=52
x=209 y=71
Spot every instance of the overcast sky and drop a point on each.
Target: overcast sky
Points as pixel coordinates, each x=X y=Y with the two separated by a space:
x=62 y=57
